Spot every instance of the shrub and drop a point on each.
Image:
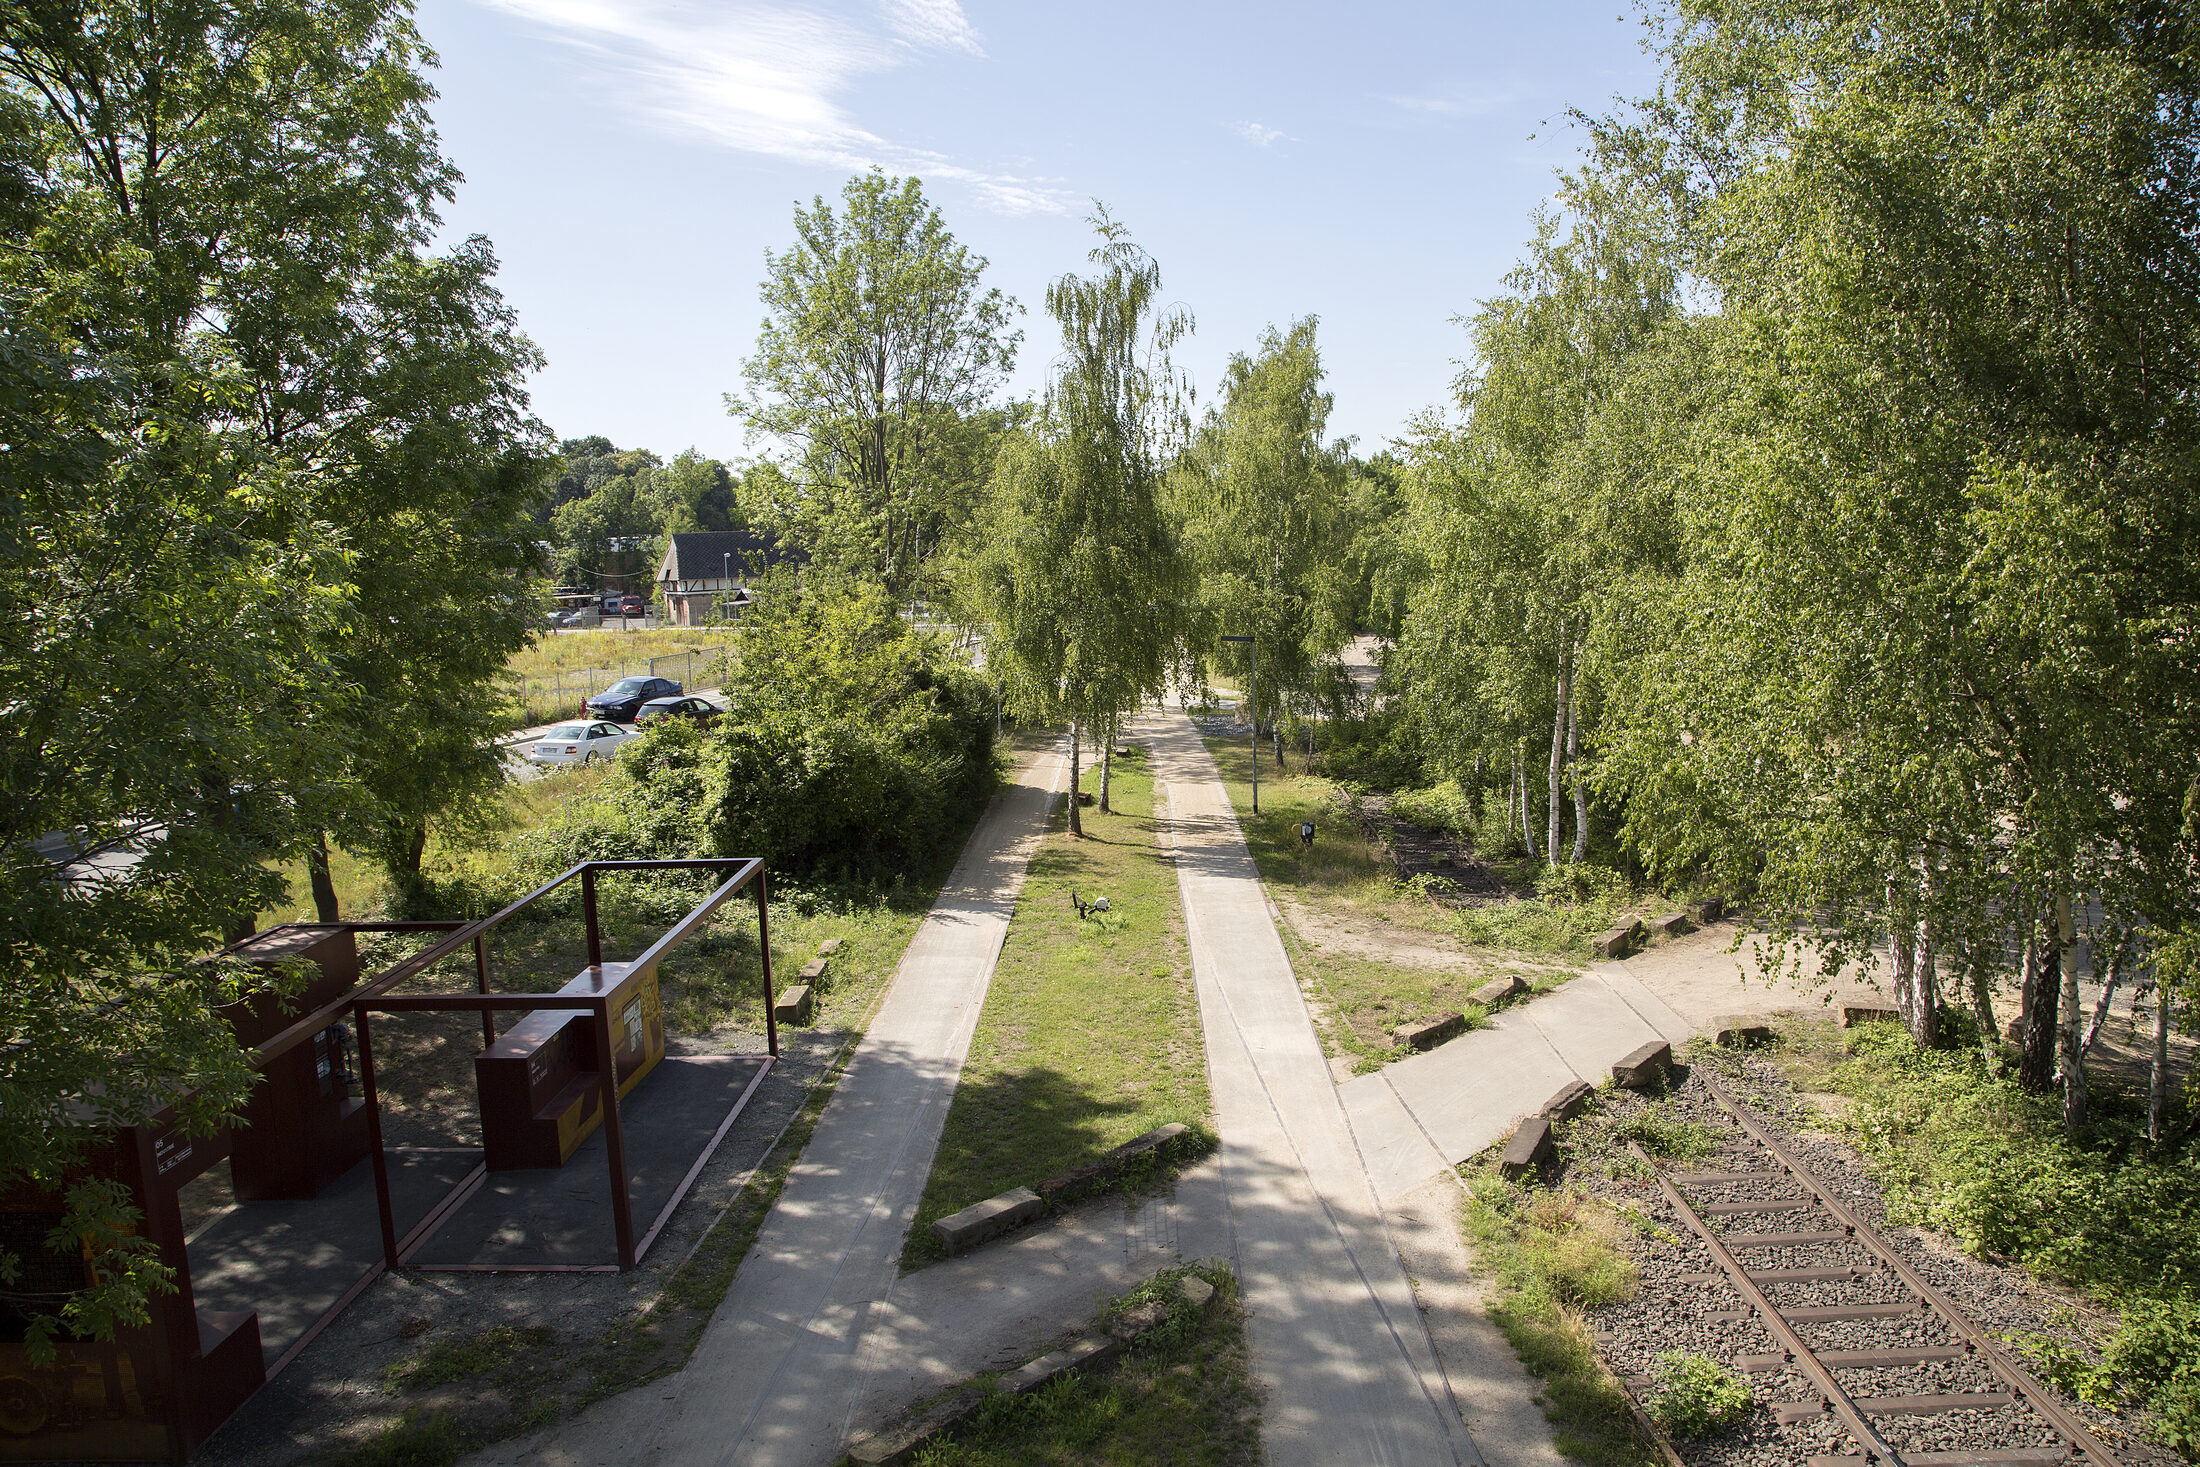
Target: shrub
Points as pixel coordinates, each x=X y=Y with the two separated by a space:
x=1696 y=1395
x=1443 y=807
x=1963 y=1150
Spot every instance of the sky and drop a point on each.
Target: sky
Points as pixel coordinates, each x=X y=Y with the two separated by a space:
x=1374 y=165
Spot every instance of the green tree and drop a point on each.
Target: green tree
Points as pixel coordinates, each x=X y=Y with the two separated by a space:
x=1078 y=580
x=1933 y=649
x=220 y=349
x=1262 y=502
x=878 y=359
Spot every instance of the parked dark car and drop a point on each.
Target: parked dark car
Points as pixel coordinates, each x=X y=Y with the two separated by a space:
x=691 y=708
x=624 y=698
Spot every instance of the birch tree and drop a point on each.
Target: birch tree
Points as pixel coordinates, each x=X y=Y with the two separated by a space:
x=1078 y=578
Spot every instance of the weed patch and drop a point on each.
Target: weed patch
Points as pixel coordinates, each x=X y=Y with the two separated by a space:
x=1552 y=1254
x=1696 y=1396
x=1183 y=1397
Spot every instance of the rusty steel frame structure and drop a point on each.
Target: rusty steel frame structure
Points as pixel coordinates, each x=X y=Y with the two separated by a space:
x=375 y=996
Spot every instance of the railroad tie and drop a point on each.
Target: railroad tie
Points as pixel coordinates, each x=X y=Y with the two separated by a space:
x=2021 y=1457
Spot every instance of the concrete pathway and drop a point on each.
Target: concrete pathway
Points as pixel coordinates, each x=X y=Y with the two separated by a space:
x=781 y=1374
x=1418 y=1118
x=1337 y=1340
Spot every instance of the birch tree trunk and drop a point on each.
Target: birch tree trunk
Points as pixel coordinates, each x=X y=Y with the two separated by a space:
x=2072 y=1015
x=1925 y=981
x=1527 y=824
x=2042 y=987
x=1107 y=762
x=1901 y=963
x=1982 y=1000
x=1558 y=754
x=2158 y=1076
x=1076 y=826
x=1573 y=756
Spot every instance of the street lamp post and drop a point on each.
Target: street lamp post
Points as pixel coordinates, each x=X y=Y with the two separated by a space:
x=725 y=584
x=1252 y=700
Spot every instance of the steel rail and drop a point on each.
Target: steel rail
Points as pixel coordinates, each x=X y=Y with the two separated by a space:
x=2019 y=1380
x=1876 y=1447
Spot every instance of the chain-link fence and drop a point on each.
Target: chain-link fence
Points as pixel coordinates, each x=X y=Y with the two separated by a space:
x=560 y=694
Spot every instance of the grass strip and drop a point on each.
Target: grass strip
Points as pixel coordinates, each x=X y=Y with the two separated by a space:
x=1182 y=1397
x=1090 y=1033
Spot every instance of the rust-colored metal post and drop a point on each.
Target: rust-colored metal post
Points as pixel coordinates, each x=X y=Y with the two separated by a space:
x=614 y=1137
x=588 y=911
x=481 y=985
x=764 y=950
x=374 y=1137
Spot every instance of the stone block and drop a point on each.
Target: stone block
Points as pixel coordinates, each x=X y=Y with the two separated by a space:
x=1063 y=1186
x=1645 y=1066
x=1529 y=1150
x=828 y=947
x=988 y=1219
x=1708 y=911
x=1739 y=1031
x=1497 y=990
x=1619 y=942
x=899 y=1443
x=1138 y=1320
x=1088 y=1353
x=813 y=971
x=1672 y=924
x=1853 y=1014
x=1431 y=1034
x=1196 y=1291
x=1570 y=1101
x=793 y=1005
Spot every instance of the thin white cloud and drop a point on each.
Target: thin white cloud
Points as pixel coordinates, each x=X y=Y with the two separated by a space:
x=769 y=78
x=933 y=23
x=1258 y=134
x=1472 y=103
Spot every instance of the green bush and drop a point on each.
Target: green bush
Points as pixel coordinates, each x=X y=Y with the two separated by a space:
x=851 y=748
x=1961 y=1149
x=1696 y=1395
x=1444 y=807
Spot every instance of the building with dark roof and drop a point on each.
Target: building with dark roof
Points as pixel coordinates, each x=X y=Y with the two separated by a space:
x=704 y=570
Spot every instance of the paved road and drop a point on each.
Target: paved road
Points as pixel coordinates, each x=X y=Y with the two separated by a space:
x=1350 y=1373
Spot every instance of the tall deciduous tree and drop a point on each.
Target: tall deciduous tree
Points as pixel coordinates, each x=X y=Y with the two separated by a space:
x=1261 y=498
x=1078 y=578
x=223 y=361
x=878 y=357
x=1936 y=640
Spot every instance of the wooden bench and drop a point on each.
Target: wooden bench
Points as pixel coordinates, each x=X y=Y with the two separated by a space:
x=541 y=1082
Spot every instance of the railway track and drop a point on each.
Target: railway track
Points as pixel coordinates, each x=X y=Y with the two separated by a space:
x=1768 y=1222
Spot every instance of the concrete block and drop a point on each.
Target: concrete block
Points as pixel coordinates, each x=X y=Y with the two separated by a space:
x=1708 y=911
x=813 y=971
x=1672 y=924
x=1497 y=990
x=1196 y=1291
x=988 y=1219
x=793 y=1005
x=1529 y=1150
x=1853 y=1014
x=899 y=1443
x=1570 y=1101
x=1619 y=942
x=1063 y=1186
x=828 y=947
x=1431 y=1034
x=1645 y=1066
x=1741 y=1030
x=1089 y=1353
